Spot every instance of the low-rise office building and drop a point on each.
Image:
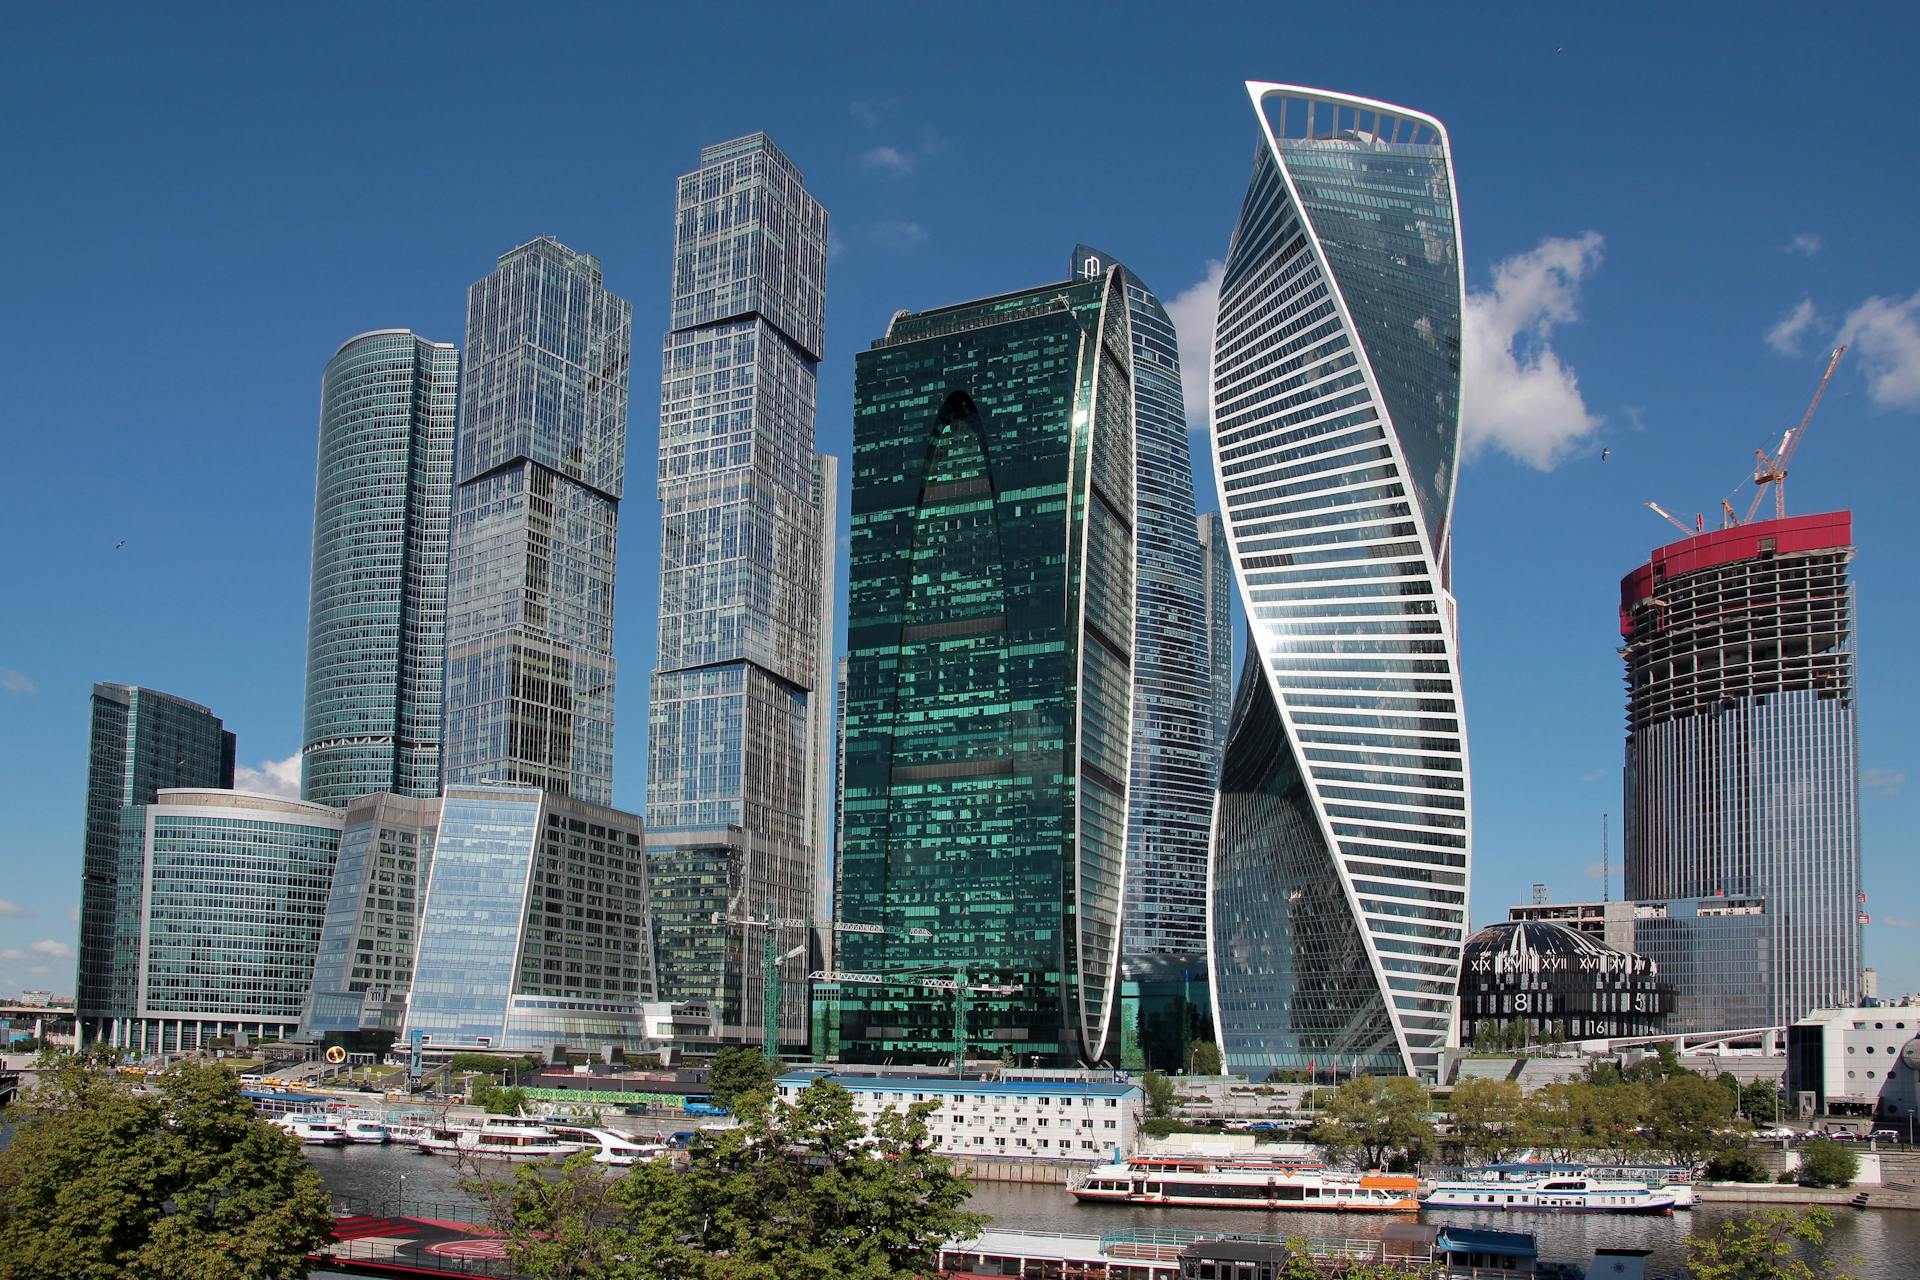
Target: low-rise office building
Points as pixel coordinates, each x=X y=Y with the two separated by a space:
x=233 y=890
x=1860 y=1061
x=1032 y=1119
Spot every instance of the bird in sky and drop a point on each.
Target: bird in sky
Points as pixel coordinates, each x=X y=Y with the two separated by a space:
x=120 y=544
x=1604 y=453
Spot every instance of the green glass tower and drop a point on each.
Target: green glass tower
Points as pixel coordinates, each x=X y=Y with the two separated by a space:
x=989 y=674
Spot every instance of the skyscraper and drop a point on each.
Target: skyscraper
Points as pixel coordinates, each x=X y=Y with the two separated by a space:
x=1217 y=575
x=1340 y=858
x=377 y=620
x=141 y=740
x=823 y=726
x=1742 y=761
x=735 y=798
x=1170 y=807
x=989 y=675
x=538 y=474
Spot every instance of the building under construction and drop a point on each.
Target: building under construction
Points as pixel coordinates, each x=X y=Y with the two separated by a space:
x=1741 y=759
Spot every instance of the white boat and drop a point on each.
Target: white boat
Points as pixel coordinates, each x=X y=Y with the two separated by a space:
x=1245 y=1182
x=500 y=1138
x=1532 y=1188
x=362 y=1128
x=315 y=1130
x=612 y=1148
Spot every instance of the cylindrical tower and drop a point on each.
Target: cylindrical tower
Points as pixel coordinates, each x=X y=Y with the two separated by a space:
x=1742 y=776
x=376 y=626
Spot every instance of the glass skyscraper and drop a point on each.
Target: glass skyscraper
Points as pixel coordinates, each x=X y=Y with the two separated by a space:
x=234 y=888
x=141 y=740
x=737 y=798
x=1340 y=859
x=534 y=928
x=990 y=676
x=376 y=622
x=1170 y=808
x=1742 y=757
x=538 y=472
x=1217 y=575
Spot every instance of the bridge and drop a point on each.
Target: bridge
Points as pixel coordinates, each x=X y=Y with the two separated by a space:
x=9 y=1086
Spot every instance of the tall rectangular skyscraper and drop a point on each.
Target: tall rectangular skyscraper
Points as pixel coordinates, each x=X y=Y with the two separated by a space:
x=735 y=801
x=377 y=619
x=142 y=740
x=538 y=475
x=1217 y=583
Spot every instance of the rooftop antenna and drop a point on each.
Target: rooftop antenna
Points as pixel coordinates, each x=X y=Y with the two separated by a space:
x=1606 y=864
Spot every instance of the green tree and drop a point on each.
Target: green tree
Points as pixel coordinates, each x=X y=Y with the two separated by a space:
x=1488 y=1117
x=1376 y=1118
x=800 y=1191
x=500 y=1102
x=1204 y=1058
x=181 y=1183
x=1760 y=1101
x=738 y=1073
x=1825 y=1163
x=1761 y=1246
x=1687 y=1112
x=1739 y=1165
x=1159 y=1091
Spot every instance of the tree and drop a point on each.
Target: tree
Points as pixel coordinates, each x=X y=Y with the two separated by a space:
x=1204 y=1058
x=798 y=1191
x=1736 y=1166
x=1159 y=1091
x=1760 y=1101
x=1761 y=1245
x=1688 y=1110
x=1825 y=1163
x=500 y=1102
x=182 y=1183
x=1488 y=1117
x=738 y=1073
x=1375 y=1118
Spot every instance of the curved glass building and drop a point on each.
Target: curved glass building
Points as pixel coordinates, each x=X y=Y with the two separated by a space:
x=989 y=677
x=376 y=622
x=1170 y=808
x=1339 y=863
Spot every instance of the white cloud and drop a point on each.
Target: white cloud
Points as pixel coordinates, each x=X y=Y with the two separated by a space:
x=1785 y=335
x=1885 y=782
x=894 y=162
x=1807 y=244
x=73 y=914
x=12 y=910
x=1884 y=334
x=1516 y=395
x=12 y=955
x=1595 y=775
x=1898 y=922
x=13 y=682
x=1194 y=311
x=272 y=778
x=899 y=233
x=1596 y=870
x=869 y=112
x=51 y=947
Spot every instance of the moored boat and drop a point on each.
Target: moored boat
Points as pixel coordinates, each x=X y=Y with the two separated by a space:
x=1532 y=1188
x=364 y=1128
x=500 y=1138
x=1246 y=1182
x=607 y=1146
x=315 y=1130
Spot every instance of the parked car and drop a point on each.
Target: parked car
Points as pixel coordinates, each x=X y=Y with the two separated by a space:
x=1842 y=1135
x=1885 y=1135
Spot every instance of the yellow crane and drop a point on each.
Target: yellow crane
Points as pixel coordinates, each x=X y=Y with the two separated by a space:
x=1773 y=471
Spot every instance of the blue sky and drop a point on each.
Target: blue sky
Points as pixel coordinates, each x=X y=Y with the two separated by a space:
x=1670 y=214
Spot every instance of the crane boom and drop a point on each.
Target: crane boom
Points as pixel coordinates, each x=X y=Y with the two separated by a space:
x=1666 y=515
x=1773 y=471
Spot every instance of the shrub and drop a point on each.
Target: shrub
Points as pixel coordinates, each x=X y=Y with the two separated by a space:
x=1736 y=1166
x=1828 y=1164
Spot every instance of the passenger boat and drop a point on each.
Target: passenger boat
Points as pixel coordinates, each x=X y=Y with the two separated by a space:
x=1530 y=1188
x=608 y=1147
x=1246 y=1182
x=364 y=1128
x=1674 y=1179
x=500 y=1138
x=315 y=1130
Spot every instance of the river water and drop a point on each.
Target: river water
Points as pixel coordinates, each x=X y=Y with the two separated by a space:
x=1886 y=1242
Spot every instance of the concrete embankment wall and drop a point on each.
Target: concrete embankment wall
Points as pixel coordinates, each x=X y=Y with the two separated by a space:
x=987 y=1169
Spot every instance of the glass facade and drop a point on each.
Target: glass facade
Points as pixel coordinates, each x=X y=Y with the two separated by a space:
x=1340 y=858
x=141 y=740
x=534 y=930
x=365 y=960
x=538 y=472
x=989 y=676
x=234 y=892
x=1742 y=757
x=1170 y=809
x=377 y=618
x=737 y=716
x=1717 y=956
x=1217 y=576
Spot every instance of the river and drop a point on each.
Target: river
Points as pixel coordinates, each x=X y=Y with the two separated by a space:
x=1886 y=1242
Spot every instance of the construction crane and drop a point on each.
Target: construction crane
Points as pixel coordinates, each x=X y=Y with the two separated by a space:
x=1773 y=471
x=1666 y=515
x=771 y=958
x=959 y=984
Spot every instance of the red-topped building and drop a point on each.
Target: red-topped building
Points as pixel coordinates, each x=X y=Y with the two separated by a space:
x=1742 y=771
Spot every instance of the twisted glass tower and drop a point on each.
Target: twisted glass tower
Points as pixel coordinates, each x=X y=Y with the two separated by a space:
x=538 y=474
x=1339 y=867
x=376 y=623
